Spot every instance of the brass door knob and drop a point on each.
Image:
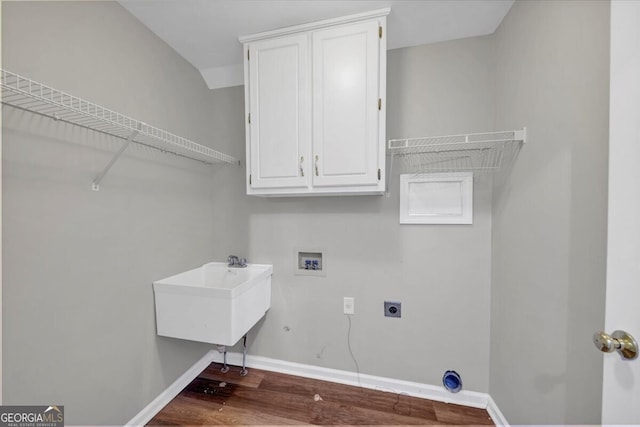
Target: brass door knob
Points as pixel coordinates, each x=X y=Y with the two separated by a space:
x=619 y=341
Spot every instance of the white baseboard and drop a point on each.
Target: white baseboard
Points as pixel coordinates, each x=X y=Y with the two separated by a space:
x=424 y=391
x=466 y=398
x=149 y=411
x=495 y=414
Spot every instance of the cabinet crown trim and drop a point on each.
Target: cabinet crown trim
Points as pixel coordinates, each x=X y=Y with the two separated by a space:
x=316 y=25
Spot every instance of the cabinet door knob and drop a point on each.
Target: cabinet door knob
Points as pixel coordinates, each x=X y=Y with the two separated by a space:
x=619 y=341
x=301 y=170
x=316 y=165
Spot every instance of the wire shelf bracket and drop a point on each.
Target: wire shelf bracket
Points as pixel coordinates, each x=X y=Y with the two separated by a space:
x=486 y=152
x=95 y=186
x=29 y=95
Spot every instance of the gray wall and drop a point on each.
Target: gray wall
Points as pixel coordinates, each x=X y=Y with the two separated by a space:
x=78 y=307
x=440 y=273
x=78 y=299
x=549 y=222
x=1 y=316
x=79 y=325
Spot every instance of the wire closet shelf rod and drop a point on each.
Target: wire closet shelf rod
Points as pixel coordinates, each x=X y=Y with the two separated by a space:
x=29 y=95
x=479 y=152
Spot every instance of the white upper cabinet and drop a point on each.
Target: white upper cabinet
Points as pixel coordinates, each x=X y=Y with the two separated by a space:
x=278 y=128
x=346 y=89
x=314 y=99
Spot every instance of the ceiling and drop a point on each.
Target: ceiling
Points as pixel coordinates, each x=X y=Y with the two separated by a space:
x=205 y=32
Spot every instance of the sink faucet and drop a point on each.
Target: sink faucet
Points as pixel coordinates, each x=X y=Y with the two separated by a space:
x=234 y=261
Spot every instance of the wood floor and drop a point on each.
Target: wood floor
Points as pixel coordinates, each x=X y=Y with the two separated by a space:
x=269 y=398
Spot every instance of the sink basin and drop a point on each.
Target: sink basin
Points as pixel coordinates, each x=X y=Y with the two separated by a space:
x=214 y=303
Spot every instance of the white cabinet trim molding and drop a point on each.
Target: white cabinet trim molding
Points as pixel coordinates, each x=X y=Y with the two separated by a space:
x=317 y=25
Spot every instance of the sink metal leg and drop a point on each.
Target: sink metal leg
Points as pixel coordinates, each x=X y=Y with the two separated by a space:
x=224 y=368
x=244 y=370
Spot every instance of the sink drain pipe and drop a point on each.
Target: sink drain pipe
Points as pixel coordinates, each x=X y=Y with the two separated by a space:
x=223 y=349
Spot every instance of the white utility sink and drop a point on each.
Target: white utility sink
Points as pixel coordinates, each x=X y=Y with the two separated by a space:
x=214 y=303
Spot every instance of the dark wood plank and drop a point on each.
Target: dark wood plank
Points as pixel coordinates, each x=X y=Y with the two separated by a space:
x=270 y=398
x=233 y=376
x=289 y=404
x=185 y=411
x=400 y=404
x=461 y=415
x=273 y=403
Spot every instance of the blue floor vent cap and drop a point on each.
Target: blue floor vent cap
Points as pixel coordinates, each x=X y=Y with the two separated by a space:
x=452 y=381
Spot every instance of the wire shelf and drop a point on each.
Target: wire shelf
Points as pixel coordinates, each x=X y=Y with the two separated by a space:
x=480 y=152
x=29 y=95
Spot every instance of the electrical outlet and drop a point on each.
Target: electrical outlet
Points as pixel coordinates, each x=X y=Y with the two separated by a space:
x=392 y=309
x=349 y=305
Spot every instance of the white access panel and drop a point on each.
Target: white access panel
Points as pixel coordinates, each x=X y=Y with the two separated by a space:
x=345 y=105
x=279 y=112
x=436 y=198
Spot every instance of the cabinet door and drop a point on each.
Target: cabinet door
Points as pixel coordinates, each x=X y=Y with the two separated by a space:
x=346 y=89
x=279 y=112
